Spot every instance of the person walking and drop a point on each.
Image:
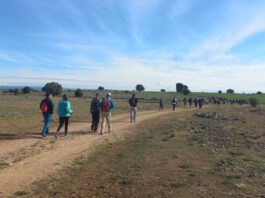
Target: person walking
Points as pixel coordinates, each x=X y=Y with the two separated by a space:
x=107 y=106
x=200 y=102
x=46 y=107
x=190 y=102
x=95 y=112
x=185 y=101
x=64 y=111
x=196 y=102
x=133 y=101
x=174 y=103
x=161 y=104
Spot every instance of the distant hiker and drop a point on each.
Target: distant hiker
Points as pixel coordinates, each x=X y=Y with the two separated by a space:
x=190 y=102
x=95 y=112
x=196 y=102
x=133 y=101
x=174 y=103
x=185 y=102
x=46 y=107
x=106 y=105
x=161 y=104
x=200 y=102
x=64 y=111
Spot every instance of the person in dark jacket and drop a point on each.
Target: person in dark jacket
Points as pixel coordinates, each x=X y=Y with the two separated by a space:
x=174 y=103
x=95 y=112
x=195 y=102
x=133 y=101
x=185 y=101
x=46 y=107
x=190 y=102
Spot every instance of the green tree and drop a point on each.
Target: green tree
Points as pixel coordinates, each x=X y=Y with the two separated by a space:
x=230 y=91
x=253 y=102
x=259 y=92
x=139 y=88
x=163 y=90
x=179 y=87
x=26 y=90
x=186 y=92
x=100 y=88
x=220 y=92
x=78 y=93
x=53 y=87
x=10 y=90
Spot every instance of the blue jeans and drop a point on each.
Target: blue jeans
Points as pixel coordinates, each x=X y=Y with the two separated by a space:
x=47 y=119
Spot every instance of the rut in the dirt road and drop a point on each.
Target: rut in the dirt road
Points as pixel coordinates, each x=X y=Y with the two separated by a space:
x=52 y=155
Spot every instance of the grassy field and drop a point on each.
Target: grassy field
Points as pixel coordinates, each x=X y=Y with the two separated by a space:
x=181 y=156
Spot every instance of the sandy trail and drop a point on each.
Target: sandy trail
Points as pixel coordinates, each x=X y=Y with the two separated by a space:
x=34 y=158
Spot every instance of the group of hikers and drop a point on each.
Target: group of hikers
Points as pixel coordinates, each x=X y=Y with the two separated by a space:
x=102 y=108
x=98 y=107
x=198 y=102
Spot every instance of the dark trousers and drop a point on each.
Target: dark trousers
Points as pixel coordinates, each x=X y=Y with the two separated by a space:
x=173 y=107
x=63 y=121
x=95 y=121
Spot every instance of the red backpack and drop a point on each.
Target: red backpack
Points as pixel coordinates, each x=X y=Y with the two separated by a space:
x=44 y=107
x=105 y=105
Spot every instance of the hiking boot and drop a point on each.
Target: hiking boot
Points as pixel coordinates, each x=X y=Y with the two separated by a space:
x=43 y=134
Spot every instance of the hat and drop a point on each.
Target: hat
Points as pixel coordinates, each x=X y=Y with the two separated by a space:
x=108 y=94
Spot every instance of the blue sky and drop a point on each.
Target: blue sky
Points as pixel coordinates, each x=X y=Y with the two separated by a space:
x=207 y=44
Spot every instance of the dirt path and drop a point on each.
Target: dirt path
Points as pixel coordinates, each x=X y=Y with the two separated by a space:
x=34 y=158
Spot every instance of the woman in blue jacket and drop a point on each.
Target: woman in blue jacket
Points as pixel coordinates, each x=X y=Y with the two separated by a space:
x=64 y=111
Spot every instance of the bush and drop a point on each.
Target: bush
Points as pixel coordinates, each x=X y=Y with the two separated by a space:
x=53 y=87
x=16 y=91
x=78 y=93
x=220 y=92
x=163 y=90
x=10 y=91
x=253 y=102
x=259 y=92
x=26 y=90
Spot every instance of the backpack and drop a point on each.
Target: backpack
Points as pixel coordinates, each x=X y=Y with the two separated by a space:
x=44 y=107
x=105 y=105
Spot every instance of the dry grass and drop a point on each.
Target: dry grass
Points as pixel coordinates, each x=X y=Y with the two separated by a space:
x=179 y=156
